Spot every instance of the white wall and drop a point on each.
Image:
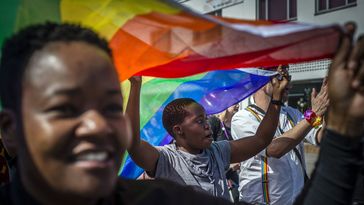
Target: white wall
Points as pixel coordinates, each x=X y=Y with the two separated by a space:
x=306 y=13
x=206 y=6
x=197 y=5
x=245 y=10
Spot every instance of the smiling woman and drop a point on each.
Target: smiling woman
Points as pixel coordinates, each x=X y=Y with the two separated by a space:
x=86 y=124
x=68 y=130
x=61 y=96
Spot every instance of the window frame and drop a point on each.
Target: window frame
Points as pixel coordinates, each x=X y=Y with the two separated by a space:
x=266 y=11
x=328 y=10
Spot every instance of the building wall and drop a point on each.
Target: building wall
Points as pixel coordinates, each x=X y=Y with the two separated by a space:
x=244 y=10
x=306 y=13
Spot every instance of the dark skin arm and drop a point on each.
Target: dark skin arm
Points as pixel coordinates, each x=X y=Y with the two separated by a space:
x=142 y=153
x=245 y=148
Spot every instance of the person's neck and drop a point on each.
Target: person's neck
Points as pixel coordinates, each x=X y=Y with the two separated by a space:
x=188 y=149
x=262 y=100
x=45 y=195
x=225 y=117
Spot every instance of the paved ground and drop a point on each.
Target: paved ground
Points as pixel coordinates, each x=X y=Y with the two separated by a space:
x=311 y=154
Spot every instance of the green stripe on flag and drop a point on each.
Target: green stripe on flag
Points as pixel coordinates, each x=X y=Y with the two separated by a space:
x=37 y=11
x=16 y=14
x=8 y=9
x=156 y=91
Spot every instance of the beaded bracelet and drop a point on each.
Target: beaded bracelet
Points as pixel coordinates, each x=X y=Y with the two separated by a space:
x=311 y=117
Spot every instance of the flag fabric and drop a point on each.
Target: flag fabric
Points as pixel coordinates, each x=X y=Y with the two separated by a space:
x=160 y=39
x=215 y=91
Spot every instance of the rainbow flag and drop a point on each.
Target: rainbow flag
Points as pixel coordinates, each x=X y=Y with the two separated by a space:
x=163 y=39
x=160 y=39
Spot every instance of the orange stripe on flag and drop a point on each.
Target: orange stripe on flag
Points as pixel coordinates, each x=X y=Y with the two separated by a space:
x=156 y=39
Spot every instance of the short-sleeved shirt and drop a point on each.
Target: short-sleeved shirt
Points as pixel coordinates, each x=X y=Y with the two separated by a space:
x=285 y=175
x=204 y=171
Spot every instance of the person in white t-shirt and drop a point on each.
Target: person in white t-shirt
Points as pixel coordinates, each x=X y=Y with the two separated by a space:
x=276 y=175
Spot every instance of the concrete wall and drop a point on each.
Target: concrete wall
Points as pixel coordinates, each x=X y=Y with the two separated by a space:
x=206 y=6
x=245 y=10
x=306 y=13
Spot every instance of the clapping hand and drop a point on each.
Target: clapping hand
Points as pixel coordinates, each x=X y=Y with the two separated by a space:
x=320 y=101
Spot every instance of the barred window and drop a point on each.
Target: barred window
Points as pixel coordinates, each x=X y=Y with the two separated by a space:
x=277 y=10
x=324 y=6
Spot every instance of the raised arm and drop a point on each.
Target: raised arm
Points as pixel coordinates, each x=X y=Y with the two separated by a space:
x=142 y=153
x=290 y=139
x=246 y=148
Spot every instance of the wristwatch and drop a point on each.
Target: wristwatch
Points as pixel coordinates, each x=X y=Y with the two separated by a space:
x=276 y=102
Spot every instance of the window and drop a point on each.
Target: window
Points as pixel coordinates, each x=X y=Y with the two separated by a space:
x=323 y=6
x=277 y=10
x=216 y=12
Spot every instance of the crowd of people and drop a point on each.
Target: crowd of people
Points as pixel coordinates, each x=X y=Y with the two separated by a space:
x=66 y=141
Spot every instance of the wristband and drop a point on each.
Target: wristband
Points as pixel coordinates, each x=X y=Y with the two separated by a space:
x=311 y=117
x=276 y=102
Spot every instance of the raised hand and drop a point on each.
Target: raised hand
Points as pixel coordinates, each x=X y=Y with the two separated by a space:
x=320 y=101
x=280 y=83
x=135 y=80
x=346 y=86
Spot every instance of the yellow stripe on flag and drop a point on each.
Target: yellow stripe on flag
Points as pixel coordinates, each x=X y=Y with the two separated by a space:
x=107 y=16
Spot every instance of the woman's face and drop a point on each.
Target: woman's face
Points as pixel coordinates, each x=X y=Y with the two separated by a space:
x=74 y=129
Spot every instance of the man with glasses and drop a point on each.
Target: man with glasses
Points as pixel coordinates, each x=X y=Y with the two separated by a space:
x=277 y=174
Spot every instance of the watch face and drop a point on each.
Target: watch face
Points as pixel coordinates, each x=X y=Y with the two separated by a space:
x=279 y=77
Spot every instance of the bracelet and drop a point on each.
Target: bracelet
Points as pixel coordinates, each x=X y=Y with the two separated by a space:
x=276 y=102
x=311 y=117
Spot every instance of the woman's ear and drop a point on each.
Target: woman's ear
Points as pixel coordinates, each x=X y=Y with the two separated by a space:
x=8 y=132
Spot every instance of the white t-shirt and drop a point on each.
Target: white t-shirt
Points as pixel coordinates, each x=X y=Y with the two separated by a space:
x=285 y=175
x=205 y=171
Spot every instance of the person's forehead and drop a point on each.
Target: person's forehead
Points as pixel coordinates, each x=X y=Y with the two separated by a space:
x=195 y=109
x=72 y=58
x=69 y=67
